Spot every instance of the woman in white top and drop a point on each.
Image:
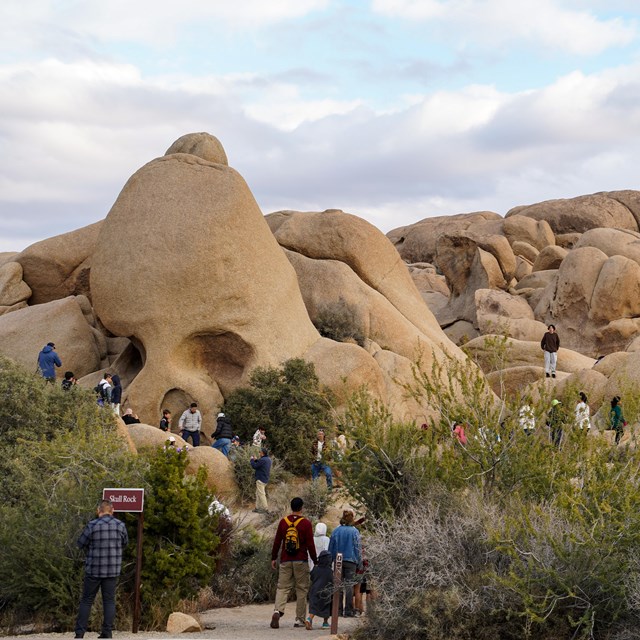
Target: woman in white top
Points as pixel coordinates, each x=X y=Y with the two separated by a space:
x=583 y=413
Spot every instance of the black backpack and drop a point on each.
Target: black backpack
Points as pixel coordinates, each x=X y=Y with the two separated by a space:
x=101 y=390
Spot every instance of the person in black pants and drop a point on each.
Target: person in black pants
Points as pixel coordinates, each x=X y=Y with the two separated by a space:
x=104 y=540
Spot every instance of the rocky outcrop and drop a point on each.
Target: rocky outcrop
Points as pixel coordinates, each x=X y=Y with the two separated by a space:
x=234 y=298
x=577 y=215
x=14 y=291
x=58 y=267
x=24 y=332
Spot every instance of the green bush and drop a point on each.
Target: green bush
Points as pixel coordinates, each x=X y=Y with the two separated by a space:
x=340 y=321
x=180 y=533
x=290 y=403
x=316 y=497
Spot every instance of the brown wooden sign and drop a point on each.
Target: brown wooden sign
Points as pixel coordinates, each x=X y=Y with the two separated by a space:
x=130 y=500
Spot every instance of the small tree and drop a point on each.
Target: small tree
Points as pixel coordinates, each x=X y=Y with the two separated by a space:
x=180 y=532
x=290 y=403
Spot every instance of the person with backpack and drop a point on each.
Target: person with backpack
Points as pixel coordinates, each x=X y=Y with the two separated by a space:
x=345 y=539
x=48 y=360
x=103 y=389
x=294 y=543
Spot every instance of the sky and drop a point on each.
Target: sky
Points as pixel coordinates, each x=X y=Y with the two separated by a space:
x=393 y=110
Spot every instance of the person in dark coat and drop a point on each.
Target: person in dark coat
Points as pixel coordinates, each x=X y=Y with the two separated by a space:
x=48 y=360
x=116 y=394
x=321 y=592
x=223 y=434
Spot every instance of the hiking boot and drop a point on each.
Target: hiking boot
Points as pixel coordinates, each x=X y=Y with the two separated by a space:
x=300 y=622
x=275 y=620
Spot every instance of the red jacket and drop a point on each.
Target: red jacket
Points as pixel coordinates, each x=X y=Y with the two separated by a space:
x=305 y=537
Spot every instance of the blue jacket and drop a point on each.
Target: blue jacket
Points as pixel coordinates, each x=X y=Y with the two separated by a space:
x=262 y=468
x=345 y=539
x=47 y=358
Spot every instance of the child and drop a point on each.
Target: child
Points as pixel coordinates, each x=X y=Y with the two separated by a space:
x=165 y=423
x=320 y=540
x=321 y=592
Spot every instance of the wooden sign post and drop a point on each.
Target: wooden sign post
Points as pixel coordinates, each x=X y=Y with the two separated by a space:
x=337 y=593
x=131 y=501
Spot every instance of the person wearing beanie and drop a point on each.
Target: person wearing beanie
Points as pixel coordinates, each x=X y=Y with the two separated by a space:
x=223 y=434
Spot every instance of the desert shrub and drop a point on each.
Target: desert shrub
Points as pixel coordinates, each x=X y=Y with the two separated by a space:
x=340 y=321
x=316 y=497
x=290 y=403
x=180 y=531
x=247 y=576
x=245 y=475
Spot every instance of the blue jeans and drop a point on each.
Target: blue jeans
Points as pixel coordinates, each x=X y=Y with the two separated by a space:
x=89 y=590
x=222 y=444
x=320 y=467
x=195 y=436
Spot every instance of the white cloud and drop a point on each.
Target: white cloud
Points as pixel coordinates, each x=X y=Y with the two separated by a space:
x=544 y=23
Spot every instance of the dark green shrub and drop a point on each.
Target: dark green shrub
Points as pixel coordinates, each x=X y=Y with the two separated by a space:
x=341 y=321
x=290 y=403
x=180 y=533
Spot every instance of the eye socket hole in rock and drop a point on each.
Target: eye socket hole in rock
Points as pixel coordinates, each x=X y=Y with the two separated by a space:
x=128 y=364
x=224 y=356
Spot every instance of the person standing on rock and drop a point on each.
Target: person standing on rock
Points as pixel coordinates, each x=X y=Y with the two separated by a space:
x=223 y=434
x=165 y=422
x=616 y=418
x=104 y=540
x=320 y=455
x=262 y=469
x=294 y=543
x=116 y=393
x=190 y=424
x=48 y=360
x=550 y=344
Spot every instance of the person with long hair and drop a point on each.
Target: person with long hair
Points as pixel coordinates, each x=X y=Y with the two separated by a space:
x=616 y=418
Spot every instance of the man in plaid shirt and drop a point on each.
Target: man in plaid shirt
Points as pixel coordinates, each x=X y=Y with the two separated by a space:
x=104 y=539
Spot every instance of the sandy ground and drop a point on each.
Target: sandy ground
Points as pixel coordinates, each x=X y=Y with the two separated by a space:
x=250 y=622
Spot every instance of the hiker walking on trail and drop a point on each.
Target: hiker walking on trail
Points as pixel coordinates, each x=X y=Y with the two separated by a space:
x=294 y=542
x=550 y=344
x=345 y=539
x=320 y=454
x=48 y=360
x=583 y=412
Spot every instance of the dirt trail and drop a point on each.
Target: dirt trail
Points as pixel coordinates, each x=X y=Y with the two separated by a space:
x=250 y=622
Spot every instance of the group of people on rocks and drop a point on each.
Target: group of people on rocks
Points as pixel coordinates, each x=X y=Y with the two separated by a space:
x=304 y=565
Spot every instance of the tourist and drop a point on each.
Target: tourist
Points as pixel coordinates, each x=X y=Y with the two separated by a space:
x=259 y=437
x=526 y=419
x=294 y=543
x=459 y=433
x=165 y=421
x=130 y=418
x=223 y=434
x=104 y=540
x=320 y=540
x=616 y=418
x=550 y=344
x=190 y=424
x=69 y=380
x=583 y=412
x=234 y=448
x=104 y=389
x=262 y=469
x=116 y=394
x=321 y=591
x=48 y=360
x=555 y=420
x=320 y=454
x=345 y=539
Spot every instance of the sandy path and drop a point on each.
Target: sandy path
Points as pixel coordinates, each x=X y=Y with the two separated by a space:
x=250 y=622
